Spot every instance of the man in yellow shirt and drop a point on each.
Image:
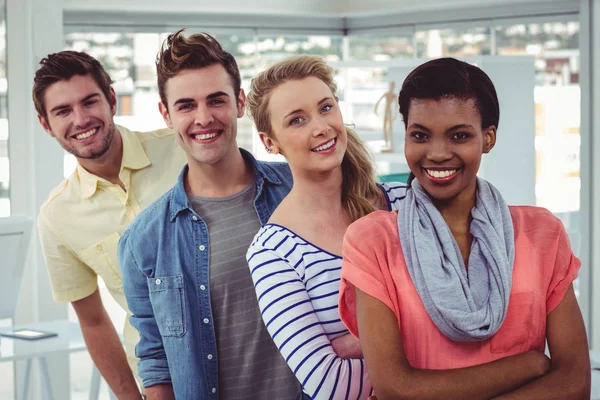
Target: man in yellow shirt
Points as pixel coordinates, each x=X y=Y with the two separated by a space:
x=119 y=173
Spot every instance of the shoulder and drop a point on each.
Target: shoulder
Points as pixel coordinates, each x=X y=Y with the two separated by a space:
x=164 y=139
x=281 y=169
x=265 y=244
x=537 y=227
x=164 y=134
x=394 y=192
x=526 y=218
x=374 y=229
x=143 y=229
x=67 y=191
x=267 y=238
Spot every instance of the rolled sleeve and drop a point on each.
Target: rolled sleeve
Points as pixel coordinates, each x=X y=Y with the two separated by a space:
x=564 y=272
x=153 y=367
x=70 y=278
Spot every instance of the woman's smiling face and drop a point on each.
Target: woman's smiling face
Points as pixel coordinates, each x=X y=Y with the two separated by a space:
x=444 y=144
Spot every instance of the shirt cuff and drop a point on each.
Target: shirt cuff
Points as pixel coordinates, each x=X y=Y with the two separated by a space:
x=69 y=296
x=154 y=372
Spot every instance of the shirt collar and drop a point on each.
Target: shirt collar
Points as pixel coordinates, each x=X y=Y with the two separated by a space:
x=134 y=158
x=262 y=173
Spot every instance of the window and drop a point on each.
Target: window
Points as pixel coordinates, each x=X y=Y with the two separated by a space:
x=129 y=58
x=4 y=156
x=381 y=47
x=555 y=48
x=453 y=42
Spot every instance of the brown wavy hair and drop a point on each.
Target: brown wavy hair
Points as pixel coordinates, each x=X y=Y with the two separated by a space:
x=359 y=187
x=199 y=50
x=63 y=66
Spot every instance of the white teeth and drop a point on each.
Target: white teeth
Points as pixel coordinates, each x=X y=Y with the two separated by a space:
x=205 y=136
x=87 y=134
x=441 y=174
x=325 y=146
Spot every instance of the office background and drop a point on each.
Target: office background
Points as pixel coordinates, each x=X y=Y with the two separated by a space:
x=553 y=45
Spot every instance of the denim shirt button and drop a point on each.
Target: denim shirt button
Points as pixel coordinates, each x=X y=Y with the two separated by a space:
x=158 y=281
x=202 y=287
x=214 y=390
x=206 y=320
x=202 y=247
x=210 y=356
x=195 y=218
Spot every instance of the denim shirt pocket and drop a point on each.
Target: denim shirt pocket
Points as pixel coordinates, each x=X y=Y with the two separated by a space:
x=167 y=298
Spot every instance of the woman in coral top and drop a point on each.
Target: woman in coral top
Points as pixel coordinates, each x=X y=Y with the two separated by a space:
x=454 y=295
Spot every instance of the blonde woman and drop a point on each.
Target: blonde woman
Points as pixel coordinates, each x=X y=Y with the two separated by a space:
x=295 y=258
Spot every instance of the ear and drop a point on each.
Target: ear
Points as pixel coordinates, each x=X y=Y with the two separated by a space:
x=269 y=143
x=45 y=125
x=164 y=111
x=113 y=101
x=489 y=139
x=241 y=105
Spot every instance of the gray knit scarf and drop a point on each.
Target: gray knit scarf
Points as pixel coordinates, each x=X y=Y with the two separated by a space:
x=465 y=307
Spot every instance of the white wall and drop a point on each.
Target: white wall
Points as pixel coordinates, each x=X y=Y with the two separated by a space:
x=590 y=164
x=34 y=29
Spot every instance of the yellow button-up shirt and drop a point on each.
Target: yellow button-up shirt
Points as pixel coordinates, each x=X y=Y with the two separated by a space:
x=81 y=222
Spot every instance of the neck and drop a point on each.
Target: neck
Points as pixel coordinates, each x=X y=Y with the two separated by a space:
x=318 y=191
x=108 y=166
x=457 y=211
x=222 y=179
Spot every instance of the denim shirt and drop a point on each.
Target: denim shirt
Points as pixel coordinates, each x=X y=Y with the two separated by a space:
x=164 y=259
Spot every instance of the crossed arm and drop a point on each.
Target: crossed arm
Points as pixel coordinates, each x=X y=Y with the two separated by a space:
x=326 y=369
x=529 y=375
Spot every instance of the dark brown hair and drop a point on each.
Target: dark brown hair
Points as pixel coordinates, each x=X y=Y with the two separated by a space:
x=63 y=66
x=195 y=51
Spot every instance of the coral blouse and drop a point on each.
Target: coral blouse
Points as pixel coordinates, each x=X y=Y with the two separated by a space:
x=543 y=271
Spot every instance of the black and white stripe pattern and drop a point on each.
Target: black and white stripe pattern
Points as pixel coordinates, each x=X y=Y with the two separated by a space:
x=297 y=285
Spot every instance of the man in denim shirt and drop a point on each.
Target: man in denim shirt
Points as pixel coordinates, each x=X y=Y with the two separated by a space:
x=185 y=275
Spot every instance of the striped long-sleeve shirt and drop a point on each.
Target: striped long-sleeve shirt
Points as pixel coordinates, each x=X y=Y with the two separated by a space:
x=297 y=285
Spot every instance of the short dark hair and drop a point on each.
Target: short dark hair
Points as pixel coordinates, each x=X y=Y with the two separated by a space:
x=63 y=66
x=451 y=78
x=195 y=51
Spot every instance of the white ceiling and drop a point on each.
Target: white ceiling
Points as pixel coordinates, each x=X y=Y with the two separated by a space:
x=286 y=7
x=362 y=7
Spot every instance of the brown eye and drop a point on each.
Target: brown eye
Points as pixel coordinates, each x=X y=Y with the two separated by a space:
x=461 y=136
x=418 y=135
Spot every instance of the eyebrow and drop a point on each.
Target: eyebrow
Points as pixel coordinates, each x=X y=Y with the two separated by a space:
x=209 y=97
x=323 y=100
x=454 y=128
x=63 y=106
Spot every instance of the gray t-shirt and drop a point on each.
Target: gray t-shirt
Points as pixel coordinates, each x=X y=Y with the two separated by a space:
x=250 y=365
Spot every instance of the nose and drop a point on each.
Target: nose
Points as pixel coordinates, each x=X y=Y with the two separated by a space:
x=439 y=151
x=81 y=118
x=203 y=116
x=320 y=127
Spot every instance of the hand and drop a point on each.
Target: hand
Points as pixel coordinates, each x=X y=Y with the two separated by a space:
x=347 y=347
